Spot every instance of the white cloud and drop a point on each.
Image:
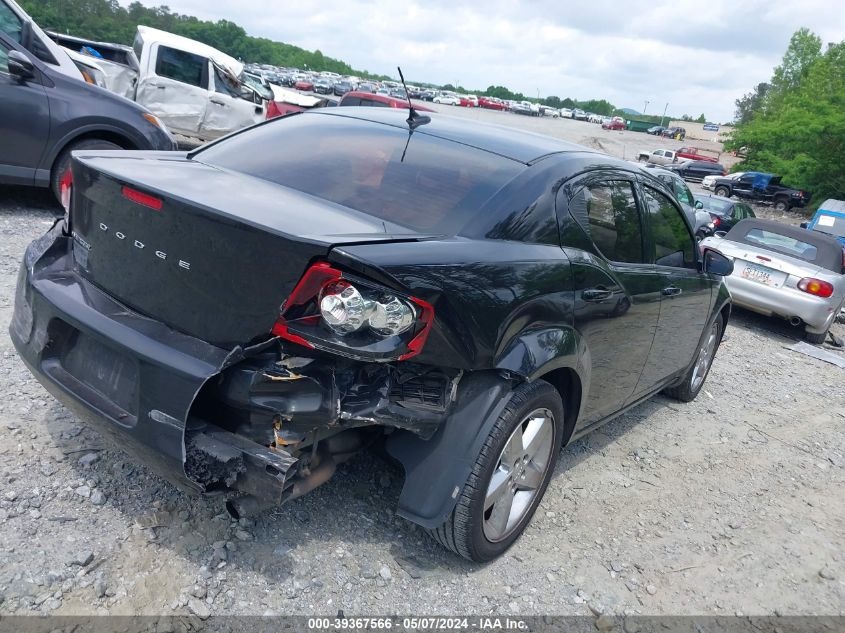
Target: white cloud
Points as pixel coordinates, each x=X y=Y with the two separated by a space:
x=696 y=56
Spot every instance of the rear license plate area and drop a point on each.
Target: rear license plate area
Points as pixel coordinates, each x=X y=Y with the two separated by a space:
x=762 y=274
x=97 y=373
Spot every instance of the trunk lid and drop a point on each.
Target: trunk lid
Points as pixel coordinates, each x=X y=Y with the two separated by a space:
x=222 y=252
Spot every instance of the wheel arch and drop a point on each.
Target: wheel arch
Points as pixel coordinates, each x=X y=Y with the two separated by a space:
x=113 y=135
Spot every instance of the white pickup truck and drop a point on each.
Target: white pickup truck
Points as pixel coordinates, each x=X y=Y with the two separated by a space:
x=195 y=89
x=657 y=157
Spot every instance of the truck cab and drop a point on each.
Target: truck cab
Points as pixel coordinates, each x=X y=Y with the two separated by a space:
x=193 y=88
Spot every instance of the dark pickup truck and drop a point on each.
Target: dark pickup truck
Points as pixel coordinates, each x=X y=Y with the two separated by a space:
x=761 y=187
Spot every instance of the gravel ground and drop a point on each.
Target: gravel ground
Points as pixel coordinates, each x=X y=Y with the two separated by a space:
x=730 y=504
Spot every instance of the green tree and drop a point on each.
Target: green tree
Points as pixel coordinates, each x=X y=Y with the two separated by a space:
x=751 y=102
x=800 y=132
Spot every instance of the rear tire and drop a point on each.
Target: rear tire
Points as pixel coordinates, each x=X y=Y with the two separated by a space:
x=814 y=338
x=781 y=205
x=62 y=163
x=694 y=379
x=722 y=192
x=508 y=480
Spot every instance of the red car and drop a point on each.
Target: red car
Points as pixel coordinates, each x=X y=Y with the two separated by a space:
x=302 y=84
x=491 y=103
x=616 y=123
x=356 y=98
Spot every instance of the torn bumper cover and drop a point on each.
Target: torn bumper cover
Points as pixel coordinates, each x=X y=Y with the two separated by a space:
x=203 y=417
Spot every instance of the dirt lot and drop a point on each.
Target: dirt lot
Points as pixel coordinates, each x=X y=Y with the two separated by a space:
x=730 y=504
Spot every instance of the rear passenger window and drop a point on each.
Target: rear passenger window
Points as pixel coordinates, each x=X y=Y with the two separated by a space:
x=673 y=244
x=351 y=101
x=608 y=211
x=181 y=66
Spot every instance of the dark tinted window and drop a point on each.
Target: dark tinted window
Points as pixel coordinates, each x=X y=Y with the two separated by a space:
x=138 y=45
x=608 y=211
x=10 y=24
x=673 y=244
x=438 y=186
x=222 y=84
x=742 y=211
x=373 y=103
x=4 y=58
x=181 y=66
x=717 y=205
x=350 y=101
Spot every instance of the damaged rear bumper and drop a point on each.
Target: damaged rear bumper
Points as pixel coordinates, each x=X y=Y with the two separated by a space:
x=131 y=378
x=206 y=418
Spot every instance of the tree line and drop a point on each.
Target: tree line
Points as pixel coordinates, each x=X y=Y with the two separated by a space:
x=108 y=21
x=794 y=124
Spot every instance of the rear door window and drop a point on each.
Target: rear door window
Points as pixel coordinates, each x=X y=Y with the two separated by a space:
x=608 y=211
x=182 y=66
x=672 y=243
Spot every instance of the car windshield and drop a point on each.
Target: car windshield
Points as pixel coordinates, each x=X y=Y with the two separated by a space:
x=716 y=205
x=831 y=224
x=432 y=185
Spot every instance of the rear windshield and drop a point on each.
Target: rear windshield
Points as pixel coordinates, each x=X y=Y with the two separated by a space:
x=716 y=205
x=831 y=224
x=821 y=251
x=782 y=243
x=420 y=182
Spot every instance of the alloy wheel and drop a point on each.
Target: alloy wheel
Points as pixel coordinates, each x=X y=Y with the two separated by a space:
x=519 y=473
x=705 y=356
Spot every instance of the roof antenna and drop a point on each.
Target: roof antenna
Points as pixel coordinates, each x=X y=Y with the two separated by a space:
x=415 y=119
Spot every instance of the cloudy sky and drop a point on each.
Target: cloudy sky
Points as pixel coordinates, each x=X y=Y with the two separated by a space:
x=697 y=56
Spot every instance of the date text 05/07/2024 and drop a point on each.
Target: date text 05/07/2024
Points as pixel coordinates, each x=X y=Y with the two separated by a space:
x=424 y=623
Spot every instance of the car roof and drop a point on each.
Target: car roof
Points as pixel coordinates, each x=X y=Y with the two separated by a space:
x=512 y=143
x=832 y=206
x=829 y=249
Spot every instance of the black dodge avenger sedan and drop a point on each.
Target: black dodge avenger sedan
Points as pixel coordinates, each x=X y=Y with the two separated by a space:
x=247 y=316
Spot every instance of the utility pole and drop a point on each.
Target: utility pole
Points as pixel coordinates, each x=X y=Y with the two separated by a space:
x=664 y=115
x=646 y=106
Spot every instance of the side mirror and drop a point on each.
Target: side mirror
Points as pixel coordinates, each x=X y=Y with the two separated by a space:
x=699 y=204
x=20 y=66
x=805 y=225
x=717 y=264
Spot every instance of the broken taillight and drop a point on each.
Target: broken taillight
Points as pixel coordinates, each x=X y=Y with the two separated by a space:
x=817 y=287
x=354 y=317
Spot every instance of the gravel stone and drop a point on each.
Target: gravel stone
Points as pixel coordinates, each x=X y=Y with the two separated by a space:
x=97 y=497
x=82 y=557
x=384 y=572
x=199 y=608
x=88 y=459
x=243 y=535
x=83 y=491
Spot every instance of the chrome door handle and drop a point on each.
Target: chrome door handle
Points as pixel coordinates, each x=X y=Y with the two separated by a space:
x=671 y=291
x=596 y=294
x=220 y=103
